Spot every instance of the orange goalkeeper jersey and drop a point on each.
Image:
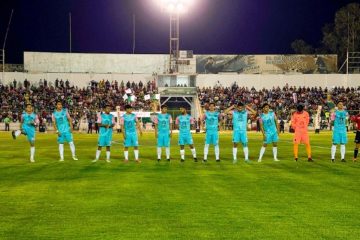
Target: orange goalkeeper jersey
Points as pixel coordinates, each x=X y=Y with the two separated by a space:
x=300 y=121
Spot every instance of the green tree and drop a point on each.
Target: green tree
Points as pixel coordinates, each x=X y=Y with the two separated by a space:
x=301 y=47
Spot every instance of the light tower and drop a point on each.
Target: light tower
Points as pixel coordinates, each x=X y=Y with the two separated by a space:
x=174 y=8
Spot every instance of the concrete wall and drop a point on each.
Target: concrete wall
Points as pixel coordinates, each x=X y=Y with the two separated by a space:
x=203 y=80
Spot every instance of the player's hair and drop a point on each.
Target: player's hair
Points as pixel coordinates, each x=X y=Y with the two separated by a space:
x=240 y=104
x=300 y=107
x=164 y=106
x=59 y=101
x=28 y=104
x=211 y=103
x=265 y=104
x=128 y=106
x=339 y=102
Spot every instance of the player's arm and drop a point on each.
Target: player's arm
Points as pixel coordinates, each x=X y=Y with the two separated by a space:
x=21 y=123
x=138 y=125
x=262 y=128
x=70 y=120
x=55 y=126
x=171 y=126
x=226 y=111
x=202 y=123
x=332 y=118
x=177 y=123
x=156 y=122
x=99 y=120
x=253 y=113
x=293 y=121
x=277 y=124
x=122 y=124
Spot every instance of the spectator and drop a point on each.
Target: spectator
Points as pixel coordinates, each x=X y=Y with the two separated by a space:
x=7 y=121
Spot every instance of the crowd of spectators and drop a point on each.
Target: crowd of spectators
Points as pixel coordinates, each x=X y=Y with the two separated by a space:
x=81 y=102
x=283 y=100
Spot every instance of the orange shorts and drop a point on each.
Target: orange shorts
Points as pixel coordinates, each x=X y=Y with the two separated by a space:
x=301 y=137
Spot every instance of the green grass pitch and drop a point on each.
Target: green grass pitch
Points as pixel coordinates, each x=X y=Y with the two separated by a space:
x=269 y=200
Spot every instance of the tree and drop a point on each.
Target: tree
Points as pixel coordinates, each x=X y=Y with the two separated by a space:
x=301 y=47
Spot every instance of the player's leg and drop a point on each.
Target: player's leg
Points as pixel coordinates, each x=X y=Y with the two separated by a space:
x=296 y=141
x=306 y=140
x=343 y=143
x=235 y=141
x=98 y=152
x=182 y=153
x=193 y=152
x=215 y=140
x=262 y=151
x=61 y=146
x=108 y=154
x=356 y=151
x=275 y=140
x=167 y=146
x=335 y=142
x=126 y=153
x=32 y=150
x=206 y=147
x=244 y=142
x=136 y=148
x=69 y=139
x=159 y=146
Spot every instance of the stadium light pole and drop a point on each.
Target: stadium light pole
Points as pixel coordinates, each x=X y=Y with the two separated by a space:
x=174 y=8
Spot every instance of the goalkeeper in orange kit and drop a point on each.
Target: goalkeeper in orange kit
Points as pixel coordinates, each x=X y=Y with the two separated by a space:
x=299 y=122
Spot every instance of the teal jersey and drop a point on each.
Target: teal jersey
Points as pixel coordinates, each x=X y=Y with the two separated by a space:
x=163 y=122
x=340 y=118
x=129 y=122
x=28 y=119
x=268 y=121
x=105 y=119
x=184 y=122
x=62 y=122
x=240 y=120
x=212 y=121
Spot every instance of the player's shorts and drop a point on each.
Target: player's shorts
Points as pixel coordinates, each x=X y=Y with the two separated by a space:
x=131 y=140
x=301 y=137
x=240 y=137
x=65 y=137
x=163 y=140
x=339 y=137
x=105 y=140
x=271 y=138
x=185 y=139
x=357 y=137
x=212 y=138
x=30 y=134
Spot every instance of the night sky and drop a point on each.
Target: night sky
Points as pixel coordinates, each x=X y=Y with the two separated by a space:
x=210 y=26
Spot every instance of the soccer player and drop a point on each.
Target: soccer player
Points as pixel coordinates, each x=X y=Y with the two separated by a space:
x=184 y=122
x=29 y=121
x=241 y=113
x=299 y=122
x=356 y=119
x=211 y=118
x=63 y=127
x=163 y=132
x=270 y=129
x=129 y=123
x=338 y=120
x=106 y=123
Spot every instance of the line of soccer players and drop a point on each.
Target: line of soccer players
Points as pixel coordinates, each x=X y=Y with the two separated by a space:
x=163 y=131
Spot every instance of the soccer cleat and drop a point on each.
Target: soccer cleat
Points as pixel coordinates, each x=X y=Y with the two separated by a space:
x=259 y=160
x=138 y=161
x=75 y=158
x=343 y=160
x=159 y=160
x=247 y=161
x=32 y=160
x=108 y=161
x=276 y=160
x=354 y=159
x=13 y=134
x=61 y=160
x=95 y=160
x=235 y=161
x=182 y=160
x=310 y=160
x=168 y=159
x=126 y=160
x=195 y=160
x=332 y=160
x=295 y=159
x=217 y=160
x=204 y=161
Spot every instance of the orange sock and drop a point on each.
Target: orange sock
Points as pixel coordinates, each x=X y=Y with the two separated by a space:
x=308 y=150
x=296 y=150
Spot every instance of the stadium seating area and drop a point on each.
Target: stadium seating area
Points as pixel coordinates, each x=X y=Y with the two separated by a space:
x=79 y=101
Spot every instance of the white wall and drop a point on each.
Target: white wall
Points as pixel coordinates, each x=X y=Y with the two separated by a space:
x=203 y=80
x=92 y=62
